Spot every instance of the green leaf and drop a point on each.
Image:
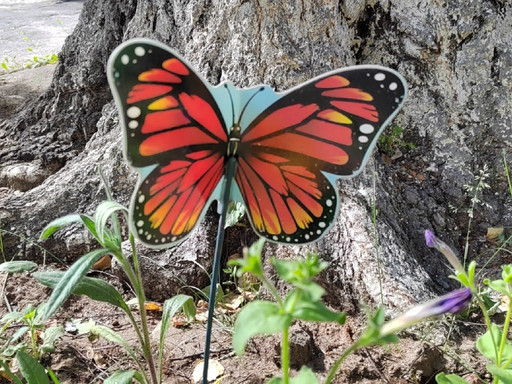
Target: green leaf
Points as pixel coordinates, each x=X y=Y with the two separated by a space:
x=90 y=225
x=316 y=311
x=12 y=349
x=171 y=306
x=189 y=309
x=471 y=271
x=50 y=337
x=299 y=272
x=485 y=346
x=442 y=378
x=258 y=317
x=31 y=369
x=251 y=262
x=506 y=274
x=19 y=333
x=103 y=213
x=11 y=316
x=235 y=213
x=59 y=223
x=110 y=335
x=17 y=266
x=96 y=289
x=71 y=278
x=305 y=376
x=499 y=286
x=505 y=375
x=123 y=377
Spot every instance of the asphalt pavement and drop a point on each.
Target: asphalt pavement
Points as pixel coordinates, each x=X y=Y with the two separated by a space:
x=31 y=28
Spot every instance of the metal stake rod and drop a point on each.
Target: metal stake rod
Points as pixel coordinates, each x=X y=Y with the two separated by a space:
x=224 y=202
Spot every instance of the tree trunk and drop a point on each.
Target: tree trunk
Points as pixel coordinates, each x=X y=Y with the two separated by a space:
x=456 y=121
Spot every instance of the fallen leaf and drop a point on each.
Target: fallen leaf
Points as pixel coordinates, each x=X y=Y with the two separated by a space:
x=153 y=306
x=493 y=233
x=417 y=175
x=104 y=263
x=180 y=321
x=215 y=369
x=504 y=303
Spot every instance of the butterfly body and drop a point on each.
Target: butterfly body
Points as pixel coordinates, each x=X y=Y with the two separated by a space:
x=288 y=148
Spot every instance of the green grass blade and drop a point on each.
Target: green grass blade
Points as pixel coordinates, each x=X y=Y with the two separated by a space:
x=70 y=279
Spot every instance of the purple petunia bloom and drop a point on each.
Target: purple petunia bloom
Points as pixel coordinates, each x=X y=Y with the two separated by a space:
x=453 y=302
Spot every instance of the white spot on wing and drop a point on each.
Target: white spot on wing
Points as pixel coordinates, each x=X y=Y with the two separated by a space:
x=125 y=59
x=362 y=139
x=133 y=112
x=379 y=76
x=366 y=128
x=393 y=86
x=140 y=51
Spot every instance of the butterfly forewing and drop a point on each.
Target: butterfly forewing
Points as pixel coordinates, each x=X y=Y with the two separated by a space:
x=174 y=136
x=326 y=126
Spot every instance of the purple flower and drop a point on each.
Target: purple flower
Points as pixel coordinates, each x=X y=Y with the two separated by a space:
x=433 y=242
x=453 y=302
x=430 y=238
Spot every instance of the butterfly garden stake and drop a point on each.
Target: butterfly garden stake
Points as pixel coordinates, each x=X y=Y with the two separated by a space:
x=278 y=153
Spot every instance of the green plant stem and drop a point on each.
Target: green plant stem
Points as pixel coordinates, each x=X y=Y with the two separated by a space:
x=504 y=334
x=285 y=356
x=139 y=289
x=507 y=173
x=488 y=322
x=33 y=339
x=358 y=344
x=272 y=290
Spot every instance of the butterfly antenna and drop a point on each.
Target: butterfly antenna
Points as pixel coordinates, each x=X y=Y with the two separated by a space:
x=232 y=105
x=246 y=104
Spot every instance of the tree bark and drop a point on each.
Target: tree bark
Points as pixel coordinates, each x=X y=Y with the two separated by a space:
x=456 y=121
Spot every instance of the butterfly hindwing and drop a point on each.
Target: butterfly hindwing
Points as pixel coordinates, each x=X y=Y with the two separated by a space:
x=328 y=125
x=174 y=137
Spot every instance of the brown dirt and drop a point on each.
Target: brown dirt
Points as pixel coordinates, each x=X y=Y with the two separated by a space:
x=78 y=359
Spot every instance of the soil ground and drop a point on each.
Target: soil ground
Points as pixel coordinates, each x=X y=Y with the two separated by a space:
x=417 y=358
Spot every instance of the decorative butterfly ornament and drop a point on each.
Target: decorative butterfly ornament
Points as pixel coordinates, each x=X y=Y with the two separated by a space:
x=287 y=148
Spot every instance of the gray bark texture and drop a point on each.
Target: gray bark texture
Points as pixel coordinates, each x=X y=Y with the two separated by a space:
x=455 y=56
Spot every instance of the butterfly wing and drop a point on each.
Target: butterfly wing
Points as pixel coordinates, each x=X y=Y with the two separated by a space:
x=174 y=137
x=291 y=153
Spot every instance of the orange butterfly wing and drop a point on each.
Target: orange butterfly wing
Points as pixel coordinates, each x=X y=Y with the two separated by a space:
x=173 y=136
x=326 y=126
